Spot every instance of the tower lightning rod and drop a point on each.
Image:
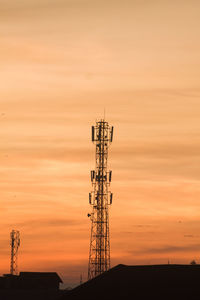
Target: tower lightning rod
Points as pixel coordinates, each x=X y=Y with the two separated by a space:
x=100 y=199
x=14 y=243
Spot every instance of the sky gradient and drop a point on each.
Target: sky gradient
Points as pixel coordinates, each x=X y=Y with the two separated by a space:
x=62 y=62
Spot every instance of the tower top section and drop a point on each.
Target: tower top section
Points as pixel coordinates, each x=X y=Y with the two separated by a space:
x=102 y=131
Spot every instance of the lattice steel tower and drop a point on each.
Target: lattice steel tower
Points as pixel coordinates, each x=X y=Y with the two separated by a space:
x=100 y=198
x=14 y=243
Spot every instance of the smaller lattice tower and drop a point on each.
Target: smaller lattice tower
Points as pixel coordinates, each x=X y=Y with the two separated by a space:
x=100 y=199
x=14 y=243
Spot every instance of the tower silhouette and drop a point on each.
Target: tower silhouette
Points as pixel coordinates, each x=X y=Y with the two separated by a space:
x=14 y=243
x=100 y=198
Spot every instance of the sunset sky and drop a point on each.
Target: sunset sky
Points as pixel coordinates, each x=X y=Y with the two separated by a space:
x=62 y=62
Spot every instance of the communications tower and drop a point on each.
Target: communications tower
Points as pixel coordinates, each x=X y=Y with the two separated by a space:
x=100 y=198
x=14 y=243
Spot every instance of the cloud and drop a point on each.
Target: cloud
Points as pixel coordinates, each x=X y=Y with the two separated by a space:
x=144 y=225
x=169 y=249
x=50 y=222
x=32 y=7
x=5 y=244
x=164 y=150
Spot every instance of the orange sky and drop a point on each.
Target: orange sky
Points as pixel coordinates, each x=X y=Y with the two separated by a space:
x=61 y=63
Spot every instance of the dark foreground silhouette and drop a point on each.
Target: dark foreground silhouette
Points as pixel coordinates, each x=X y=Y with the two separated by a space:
x=30 y=286
x=142 y=282
x=121 y=282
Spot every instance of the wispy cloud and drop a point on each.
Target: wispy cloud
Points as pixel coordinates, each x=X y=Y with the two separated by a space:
x=50 y=222
x=171 y=249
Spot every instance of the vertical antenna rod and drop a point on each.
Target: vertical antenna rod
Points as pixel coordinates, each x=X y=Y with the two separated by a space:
x=81 y=279
x=14 y=243
x=100 y=198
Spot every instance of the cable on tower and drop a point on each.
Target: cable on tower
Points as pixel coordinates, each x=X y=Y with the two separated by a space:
x=14 y=243
x=100 y=199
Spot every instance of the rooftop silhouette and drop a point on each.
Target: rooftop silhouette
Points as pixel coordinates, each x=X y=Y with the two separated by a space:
x=141 y=282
